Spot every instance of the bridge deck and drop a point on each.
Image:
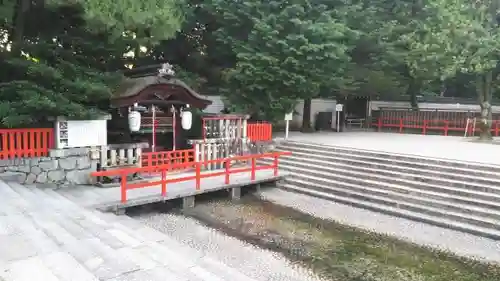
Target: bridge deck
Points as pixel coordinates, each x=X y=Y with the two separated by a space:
x=109 y=198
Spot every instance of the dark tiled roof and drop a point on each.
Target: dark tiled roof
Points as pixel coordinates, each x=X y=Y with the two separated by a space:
x=133 y=86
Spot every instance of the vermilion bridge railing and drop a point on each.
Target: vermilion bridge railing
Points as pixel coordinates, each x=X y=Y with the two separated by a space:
x=19 y=143
x=198 y=175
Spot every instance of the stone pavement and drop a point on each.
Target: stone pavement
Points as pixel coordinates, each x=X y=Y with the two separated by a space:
x=45 y=236
x=430 y=146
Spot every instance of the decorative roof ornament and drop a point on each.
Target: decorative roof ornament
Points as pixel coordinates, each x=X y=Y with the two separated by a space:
x=166 y=70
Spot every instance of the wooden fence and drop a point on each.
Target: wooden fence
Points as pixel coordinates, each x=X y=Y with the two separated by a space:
x=20 y=143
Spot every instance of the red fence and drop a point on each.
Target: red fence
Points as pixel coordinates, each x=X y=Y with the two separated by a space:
x=260 y=131
x=444 y=126
x=198 y=175
x=151 y=159
x=17 y=143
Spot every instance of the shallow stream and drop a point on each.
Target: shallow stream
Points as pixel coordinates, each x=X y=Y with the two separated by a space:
x=333 y=251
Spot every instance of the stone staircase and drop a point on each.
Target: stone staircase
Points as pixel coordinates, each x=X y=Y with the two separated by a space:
x=45 y=236
x=456 y=195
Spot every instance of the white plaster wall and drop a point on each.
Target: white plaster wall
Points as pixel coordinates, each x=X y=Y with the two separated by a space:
x=216 y=106
x=317 y=105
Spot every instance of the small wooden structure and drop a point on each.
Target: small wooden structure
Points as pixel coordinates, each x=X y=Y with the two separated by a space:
x=164 y=96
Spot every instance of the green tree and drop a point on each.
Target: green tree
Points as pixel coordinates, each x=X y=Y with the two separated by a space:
x=65 y=58
x=285 y=51
x=467 y=33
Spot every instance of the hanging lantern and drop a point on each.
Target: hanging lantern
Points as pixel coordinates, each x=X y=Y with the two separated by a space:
x=134 y=121
x=186 y=119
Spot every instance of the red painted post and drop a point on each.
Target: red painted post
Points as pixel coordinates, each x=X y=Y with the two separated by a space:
x=198 y=175
x=228 y=165
x=123 y=186
x=164 y=182
x=445 y=127
x=401 y=125
x=275 y=165
x=424 y=128
x=12 y=151
x=253 y=168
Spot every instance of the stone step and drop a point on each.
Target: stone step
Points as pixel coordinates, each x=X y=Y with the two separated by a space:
x=140 y=242
x=460 y=195
x=350 y=173
x=450 y=201
x=493 y=169
x=420 y=163
x=98 y=258
x=436 y=178
x=395 y=211
x=459 y=212
x=66 y=267
x=401 y=166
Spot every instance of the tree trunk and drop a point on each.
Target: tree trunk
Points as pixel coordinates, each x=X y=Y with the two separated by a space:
x=16 y=35
x=306 y=116
x=413 y=91
x=483 y=90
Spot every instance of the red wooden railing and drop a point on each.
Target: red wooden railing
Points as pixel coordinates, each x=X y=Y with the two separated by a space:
x=260 y=131
x=445 y=126
x=17 y=143
x=198 y=175
x=151 y=159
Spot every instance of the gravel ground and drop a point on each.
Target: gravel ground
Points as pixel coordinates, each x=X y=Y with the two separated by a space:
x=459 y=243
x=250 y=260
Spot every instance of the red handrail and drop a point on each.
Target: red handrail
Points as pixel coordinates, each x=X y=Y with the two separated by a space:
x=33 y=142
x=164 y=169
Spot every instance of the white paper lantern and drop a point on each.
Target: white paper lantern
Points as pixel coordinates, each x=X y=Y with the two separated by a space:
x=134 y=121
x=186 y=120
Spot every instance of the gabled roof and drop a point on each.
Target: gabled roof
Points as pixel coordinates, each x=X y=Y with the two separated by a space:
x=132 y=87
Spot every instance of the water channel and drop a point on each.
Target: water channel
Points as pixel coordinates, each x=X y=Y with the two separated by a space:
x=330 y=250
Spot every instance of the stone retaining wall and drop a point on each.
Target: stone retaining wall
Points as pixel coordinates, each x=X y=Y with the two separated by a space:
x=62 y=166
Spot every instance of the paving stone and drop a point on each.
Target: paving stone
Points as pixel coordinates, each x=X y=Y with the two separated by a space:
x=222 y=270
x=113 y=264
x=15 y=247
x=72 y=227
x=150 y=234
x=82 y=253
x=59 y=234
x=136 y=255
x=124 y=237
x=158 y=273
x=29 y=269
x=101 y=233
x=41 y=242
x=66 y=267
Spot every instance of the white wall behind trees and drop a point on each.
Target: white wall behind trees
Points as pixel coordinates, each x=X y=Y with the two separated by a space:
x=317 y=105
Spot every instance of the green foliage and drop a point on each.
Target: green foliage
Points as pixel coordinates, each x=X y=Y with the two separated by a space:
x=68 y=54
x=150 y=20
x=285 y=51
